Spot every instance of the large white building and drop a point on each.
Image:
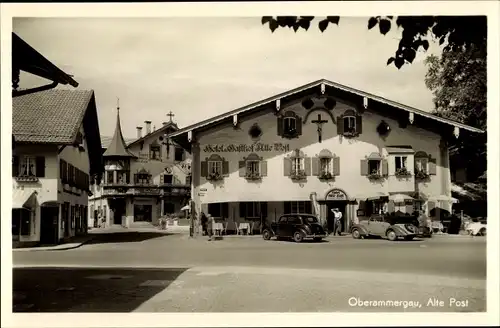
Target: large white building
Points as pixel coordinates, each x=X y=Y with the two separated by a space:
x=320 y=146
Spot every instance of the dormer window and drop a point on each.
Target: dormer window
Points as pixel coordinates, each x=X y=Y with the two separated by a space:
x=155 y=151
x=349 y=124
x=289 y=125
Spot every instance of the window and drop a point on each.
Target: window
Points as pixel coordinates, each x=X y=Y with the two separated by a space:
x=251 y=210
x=401 y=162
x=143 y=213
x=349 y=123
x=215 y=167
x=179 y=154
x=417 y=206
x=28 y=166
x=168 y=208
x=110 y=177
x=283 y=219
x=310 y=219
x=188 y=180
x=294 y=220
x=289 y=125
x=218 y=210
x=142 y=178
x=421 y=164
x=298 y=207
x=253 y=167
x=374 y=166
x=168 y=178
x=297 y=164
x=121 y=177
x=325 y=165
x=155 y=151
x=104 y=211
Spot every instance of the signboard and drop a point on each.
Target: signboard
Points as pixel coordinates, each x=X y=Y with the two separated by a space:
x=247 y=148
x=203 y=189
x=336 y=194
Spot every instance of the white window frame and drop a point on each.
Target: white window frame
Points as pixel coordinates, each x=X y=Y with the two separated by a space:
x=329 y=165
x=297 y=164
x=287 y=122
x=379 y=166
x=214 y=164
x=25 y=162
x=155 y=150
x=252 y=166
x=422 y=163
x=351 y=127
x=403 y=161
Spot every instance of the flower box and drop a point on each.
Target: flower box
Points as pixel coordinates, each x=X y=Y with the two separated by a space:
x=298 y=175
x=422 y=175
x=253 y=176
x=325 y=176
x=402 y=173
x=214 y=176
x=375 y=175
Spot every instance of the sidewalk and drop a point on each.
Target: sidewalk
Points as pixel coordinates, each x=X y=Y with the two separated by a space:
x=71 y=243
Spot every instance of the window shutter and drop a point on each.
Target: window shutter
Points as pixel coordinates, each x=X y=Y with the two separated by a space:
x=225 y=210
x=204 y=168
x=432 y=166
x=315 y=166
x=263 y=168
x=385 y=167
x=242 y=209
x=279 y=123
x=242 y=168
x=340 y=125
x=359 y=124
x=364 y=167
x=391 y=207
x=15 y=166
x=263 y=209
x=307 y=166
x=287 y=166
x=40 y=166
x=336 y=165
x=225 y=167
x=299 y=125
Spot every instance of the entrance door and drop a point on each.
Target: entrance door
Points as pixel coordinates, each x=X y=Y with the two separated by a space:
x=341 y=205
x=49 y=225
x=118 y=210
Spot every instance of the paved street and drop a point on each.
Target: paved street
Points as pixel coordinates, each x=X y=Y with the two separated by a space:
x=170 y=273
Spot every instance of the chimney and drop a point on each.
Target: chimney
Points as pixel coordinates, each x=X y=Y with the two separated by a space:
x=139 y=132
x=148 y=127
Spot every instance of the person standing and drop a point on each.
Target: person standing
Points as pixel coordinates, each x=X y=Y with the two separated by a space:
x=210 y=223
x=204 y=220
x=337 y=228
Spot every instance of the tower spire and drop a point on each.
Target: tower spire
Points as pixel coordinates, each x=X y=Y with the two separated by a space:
x=117 y=147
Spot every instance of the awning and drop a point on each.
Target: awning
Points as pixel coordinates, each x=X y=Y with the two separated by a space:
x=372 y=196
x=375 y=156
x=443 y=198
x=400 y=150
x=23 y=198
x=400 y=198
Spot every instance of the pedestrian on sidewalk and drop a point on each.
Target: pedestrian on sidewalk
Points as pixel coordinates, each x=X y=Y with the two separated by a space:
x=337 y=222
x=204 y=221
x=210 y=222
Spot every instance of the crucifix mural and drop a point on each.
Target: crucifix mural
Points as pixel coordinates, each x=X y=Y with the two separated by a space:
x=319 y=122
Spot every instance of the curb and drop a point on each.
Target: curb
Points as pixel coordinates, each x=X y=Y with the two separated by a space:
x=52 y=248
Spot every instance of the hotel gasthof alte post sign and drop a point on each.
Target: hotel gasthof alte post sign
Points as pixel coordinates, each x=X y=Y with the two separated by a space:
x=317 y=147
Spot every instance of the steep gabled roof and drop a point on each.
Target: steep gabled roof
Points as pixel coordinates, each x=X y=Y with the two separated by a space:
x=169 y=126
x=52 y=116
x=106 y=141
x=331 y=88
x=117 y=147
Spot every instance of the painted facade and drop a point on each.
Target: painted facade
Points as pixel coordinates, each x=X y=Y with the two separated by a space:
x=311 y=154
x=142 y=181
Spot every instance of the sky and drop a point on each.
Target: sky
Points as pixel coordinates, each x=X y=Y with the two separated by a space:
x=201 y=67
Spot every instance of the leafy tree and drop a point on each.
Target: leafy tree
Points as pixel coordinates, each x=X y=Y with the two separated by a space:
x=456 y=33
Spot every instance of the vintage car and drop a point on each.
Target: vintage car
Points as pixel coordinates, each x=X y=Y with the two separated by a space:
x=295 y=226
x=476 y=228
x=384 y=226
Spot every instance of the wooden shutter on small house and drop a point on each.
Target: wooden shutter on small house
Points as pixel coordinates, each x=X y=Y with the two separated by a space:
x=364 y=167
x=298 y=122
x=315 y=165
x=279 y=123
x=385 y=167
x=242 y=209
x=204 y=168
x=263 y=209
x=263 y=168
x=390 y=207
x=307 y=165
x=225 y=167
x=359 y=124
x=340 y=125
x=336 y=165
x=287 y=166
x=40 y=166
x=242 y=168
x=432 y=166
x=15 y=166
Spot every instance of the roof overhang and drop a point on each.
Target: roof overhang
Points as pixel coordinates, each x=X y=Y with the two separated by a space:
x=26 y=58
x=23 y=198
x=184 y=136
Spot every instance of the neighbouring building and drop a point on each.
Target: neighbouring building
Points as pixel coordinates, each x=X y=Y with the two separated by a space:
x=57 y=149
x=143 y=179
x=317 y=147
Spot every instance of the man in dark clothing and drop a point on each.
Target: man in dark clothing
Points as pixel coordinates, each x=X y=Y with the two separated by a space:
x=204 y=221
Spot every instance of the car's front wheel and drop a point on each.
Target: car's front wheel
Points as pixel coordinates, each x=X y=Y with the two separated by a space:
x=391 y=235
x=298 y=237
x=266 y=234
x=482 y=232
x=356 y=234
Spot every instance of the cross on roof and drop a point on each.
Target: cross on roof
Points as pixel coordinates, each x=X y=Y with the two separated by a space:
x=170 y=114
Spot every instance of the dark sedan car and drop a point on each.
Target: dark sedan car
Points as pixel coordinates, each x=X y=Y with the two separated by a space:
x=295 y=226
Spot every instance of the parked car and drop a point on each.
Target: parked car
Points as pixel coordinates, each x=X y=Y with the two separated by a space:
x=477 y=227
x=384 y=226
x=295 y=226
